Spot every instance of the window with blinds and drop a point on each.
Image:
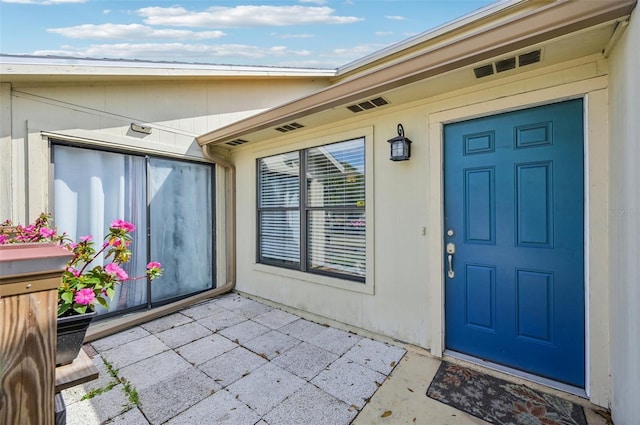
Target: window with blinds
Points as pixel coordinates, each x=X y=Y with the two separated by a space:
x=325 y=233
x=279 y=209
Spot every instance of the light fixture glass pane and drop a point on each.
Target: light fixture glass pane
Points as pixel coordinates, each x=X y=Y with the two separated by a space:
x=398 y=149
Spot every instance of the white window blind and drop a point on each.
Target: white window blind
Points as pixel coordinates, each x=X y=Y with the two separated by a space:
x=335 y=201
x=325 y=233
x=279 y=208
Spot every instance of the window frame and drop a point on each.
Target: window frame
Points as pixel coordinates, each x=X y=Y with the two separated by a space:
x=304 y=209
x=54 y=140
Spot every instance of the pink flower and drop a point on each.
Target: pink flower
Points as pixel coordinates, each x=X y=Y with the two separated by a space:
x=73 y=271
x=3 y=239
x=121 y=224
x=84 y=296
x=153 y=265
x=45 y=232
x=115 y=270
x=86 y=238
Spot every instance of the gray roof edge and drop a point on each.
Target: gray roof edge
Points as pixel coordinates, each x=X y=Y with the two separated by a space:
x=105 y=64
x=410 y=42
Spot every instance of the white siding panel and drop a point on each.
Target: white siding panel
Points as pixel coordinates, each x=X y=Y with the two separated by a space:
x=6 y=209
x=102 y=114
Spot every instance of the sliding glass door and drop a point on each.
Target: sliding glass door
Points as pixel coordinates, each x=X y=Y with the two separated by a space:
x=181 y=226
x=170 y=203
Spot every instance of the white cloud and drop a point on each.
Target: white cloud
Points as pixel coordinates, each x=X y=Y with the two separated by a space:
x=243 y=16
x=396 y=18
x=106 y=11
x=334 y=58
x=313 y=1
x=43 y=2
x=173 y=51
x=288 y=36
x=384 y=33
x=355 y=52
x=131 y=31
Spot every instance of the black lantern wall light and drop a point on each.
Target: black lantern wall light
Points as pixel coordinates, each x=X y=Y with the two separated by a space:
x=400 y=146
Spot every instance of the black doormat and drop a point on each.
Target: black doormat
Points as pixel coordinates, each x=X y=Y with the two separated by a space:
x=500 y=402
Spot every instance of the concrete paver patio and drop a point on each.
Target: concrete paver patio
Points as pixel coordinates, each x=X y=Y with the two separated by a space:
x=233 y=360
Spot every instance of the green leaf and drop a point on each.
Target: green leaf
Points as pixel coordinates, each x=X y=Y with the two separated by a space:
x=102 y=302
x=63 y=308
x=80 y=309
x=67 y=296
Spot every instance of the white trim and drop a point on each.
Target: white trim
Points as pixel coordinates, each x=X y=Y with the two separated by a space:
x=586 y=244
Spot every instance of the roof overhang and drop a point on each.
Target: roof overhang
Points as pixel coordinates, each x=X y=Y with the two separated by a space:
x=509 y=27
x=46 y=69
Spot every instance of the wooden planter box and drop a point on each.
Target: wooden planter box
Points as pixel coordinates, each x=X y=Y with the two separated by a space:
x=29 y=277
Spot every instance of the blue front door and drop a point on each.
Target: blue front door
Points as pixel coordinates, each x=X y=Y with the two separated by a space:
x=514 y=214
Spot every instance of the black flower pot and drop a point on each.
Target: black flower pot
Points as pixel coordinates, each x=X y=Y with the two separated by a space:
x=71 y=332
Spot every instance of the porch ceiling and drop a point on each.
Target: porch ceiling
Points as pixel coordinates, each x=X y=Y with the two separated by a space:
x=562 y=30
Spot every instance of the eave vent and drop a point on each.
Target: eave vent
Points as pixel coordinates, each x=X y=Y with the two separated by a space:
x=483 y=71
x=237 y=142
x=508 y=64
x=368 y=104
x=529 y=58
x=289 y=127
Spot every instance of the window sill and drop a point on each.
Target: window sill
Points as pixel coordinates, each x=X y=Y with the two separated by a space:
x=347 y=285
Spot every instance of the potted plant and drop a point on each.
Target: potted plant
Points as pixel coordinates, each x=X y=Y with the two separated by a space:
x=84 y=283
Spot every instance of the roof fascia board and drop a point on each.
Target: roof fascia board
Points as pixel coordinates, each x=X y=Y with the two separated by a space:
x=34 y=65
x=529 y=28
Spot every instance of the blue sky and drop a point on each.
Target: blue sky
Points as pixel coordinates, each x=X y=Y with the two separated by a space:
x=298 y=33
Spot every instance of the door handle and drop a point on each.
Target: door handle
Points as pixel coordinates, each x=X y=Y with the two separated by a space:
x=450 y=273
x=451 y=249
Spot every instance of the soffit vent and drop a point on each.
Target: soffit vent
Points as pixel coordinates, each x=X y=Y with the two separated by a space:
x=289 y=127
x=483 y=71
x=237 y=142
x=508 y=64
x=529 y=58
x=368 y=104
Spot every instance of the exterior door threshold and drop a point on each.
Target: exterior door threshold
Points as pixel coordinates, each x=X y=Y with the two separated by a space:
x=545 y=382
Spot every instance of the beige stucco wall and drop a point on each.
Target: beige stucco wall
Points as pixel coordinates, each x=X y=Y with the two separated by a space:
x=403 y=297
x=624 y=216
